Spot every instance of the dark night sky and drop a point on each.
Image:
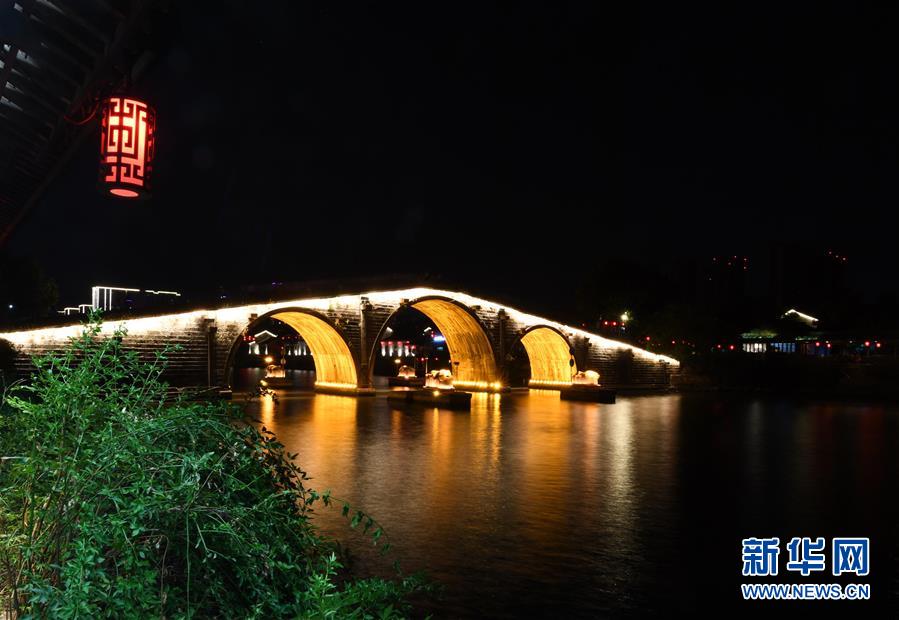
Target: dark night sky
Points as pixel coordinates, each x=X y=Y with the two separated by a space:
x=518 y=144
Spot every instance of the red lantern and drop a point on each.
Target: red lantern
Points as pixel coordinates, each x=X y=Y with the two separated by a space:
x=127 y=141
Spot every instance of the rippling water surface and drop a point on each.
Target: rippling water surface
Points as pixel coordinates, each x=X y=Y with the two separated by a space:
x=528 y=505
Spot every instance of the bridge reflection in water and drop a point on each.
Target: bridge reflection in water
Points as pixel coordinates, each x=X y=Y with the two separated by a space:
x=532 y=506
x=517 y=492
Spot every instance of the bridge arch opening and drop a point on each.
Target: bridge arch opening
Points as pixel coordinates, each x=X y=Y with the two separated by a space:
x=470 y=353
x=550 y=357
x=408 y=346
x=335 y=366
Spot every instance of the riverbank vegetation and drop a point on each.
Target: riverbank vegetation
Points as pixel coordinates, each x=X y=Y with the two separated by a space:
x=115 y=502
x=832 y=377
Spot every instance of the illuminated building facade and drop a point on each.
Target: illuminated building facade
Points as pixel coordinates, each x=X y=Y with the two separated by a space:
x=799 y=333
x=111 y=298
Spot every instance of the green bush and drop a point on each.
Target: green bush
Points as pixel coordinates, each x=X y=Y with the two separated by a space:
x=116 y=503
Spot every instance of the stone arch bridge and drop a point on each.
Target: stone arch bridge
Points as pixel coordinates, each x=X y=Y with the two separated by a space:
x=342 y=333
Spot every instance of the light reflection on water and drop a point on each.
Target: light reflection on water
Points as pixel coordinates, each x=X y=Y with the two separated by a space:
x=529 y=505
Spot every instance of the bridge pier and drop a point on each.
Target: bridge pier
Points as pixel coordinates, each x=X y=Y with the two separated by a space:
x=581 y=352
x=365 y=309
x=211 y=329
x=501 y=320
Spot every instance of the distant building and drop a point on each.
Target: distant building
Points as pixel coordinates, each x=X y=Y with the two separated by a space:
x=797 y=332
x=109 y=298
x=118 y=298
x=398 y=348
x=277 y=343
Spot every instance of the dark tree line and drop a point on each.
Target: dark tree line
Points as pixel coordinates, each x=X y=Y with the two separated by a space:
x=27 y=292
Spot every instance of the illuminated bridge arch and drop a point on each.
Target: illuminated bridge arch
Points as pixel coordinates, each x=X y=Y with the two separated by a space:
x=336 y=368
x=470 y=350
x=551 y=356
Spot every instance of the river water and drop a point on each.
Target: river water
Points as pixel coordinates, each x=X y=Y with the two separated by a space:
x=531 y=506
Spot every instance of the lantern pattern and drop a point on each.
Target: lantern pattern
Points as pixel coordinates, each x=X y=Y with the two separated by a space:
x=127 y=141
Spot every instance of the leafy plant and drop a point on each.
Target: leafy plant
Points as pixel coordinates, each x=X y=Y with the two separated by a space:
x=115 y=502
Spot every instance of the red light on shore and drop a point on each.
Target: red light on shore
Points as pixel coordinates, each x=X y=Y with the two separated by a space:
x=867 y=343
x=127 y=144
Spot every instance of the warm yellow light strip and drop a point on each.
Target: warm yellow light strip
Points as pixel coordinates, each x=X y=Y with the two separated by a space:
x=548 y=384
x=346 y=387
x=159 y=324
x=484 y=386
